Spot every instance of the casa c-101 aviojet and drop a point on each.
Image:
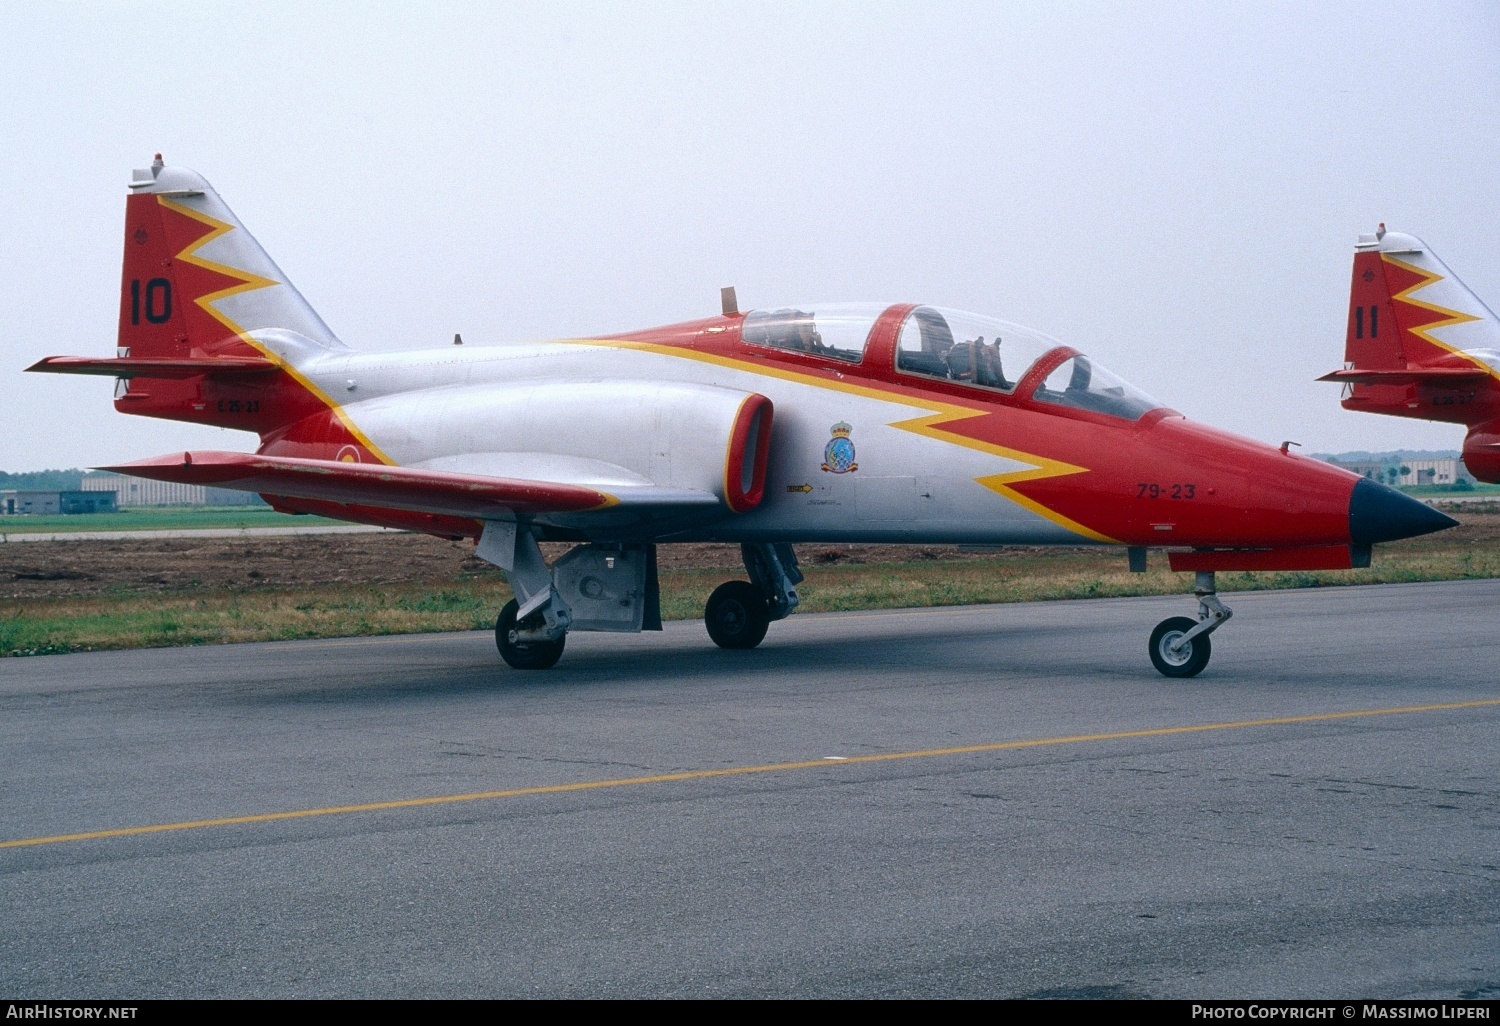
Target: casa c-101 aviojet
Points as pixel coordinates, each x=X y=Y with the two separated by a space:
x=1420 y=344
x=816 y=423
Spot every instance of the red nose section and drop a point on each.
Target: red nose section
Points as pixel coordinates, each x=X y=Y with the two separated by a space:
x=1234 y=492
x=1177 y=484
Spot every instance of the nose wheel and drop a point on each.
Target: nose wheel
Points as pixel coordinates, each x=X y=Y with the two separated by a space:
x=1179 y=645
x=1175 y=657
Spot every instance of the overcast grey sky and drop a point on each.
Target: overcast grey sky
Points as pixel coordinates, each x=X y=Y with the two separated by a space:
x=1173 y=188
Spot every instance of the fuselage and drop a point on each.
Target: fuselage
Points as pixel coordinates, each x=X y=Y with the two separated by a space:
x=863 y=448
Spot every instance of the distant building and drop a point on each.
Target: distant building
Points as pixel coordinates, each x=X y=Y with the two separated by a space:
x=1436 y=472
x=132 y=492
x=39 y=502
x=1446 y=470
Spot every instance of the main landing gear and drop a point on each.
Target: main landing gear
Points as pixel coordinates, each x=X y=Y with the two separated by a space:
x=1180 y=645
x=739 y=612
x=520 y=654
x=593 y=587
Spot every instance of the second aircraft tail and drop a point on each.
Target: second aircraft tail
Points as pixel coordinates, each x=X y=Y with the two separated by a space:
x=1419 y=343
x=1408 y=310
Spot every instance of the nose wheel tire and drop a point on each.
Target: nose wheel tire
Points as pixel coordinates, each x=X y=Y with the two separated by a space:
x=1179 y=661
x=525 y=655
x=737 y=616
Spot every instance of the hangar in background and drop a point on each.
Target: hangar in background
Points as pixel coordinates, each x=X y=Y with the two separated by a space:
x=40 y=501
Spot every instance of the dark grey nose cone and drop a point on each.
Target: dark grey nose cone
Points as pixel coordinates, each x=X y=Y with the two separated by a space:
x=1381 y=514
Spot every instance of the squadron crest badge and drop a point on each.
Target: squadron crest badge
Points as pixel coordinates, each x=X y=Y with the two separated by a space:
x=838 y=454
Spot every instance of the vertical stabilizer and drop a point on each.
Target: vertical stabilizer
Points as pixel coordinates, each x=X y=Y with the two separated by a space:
x=196 y=286
x=195 y=282
x=212 y=332
x=1407 y=309
x=1420 y=344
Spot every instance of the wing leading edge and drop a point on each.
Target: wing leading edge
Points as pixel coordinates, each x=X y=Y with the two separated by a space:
x=404 y=488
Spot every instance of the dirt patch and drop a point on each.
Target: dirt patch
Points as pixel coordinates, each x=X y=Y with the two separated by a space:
x=62 y=569
x=154 y=565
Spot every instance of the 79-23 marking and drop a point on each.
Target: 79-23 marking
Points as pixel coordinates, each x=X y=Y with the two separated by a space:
x=1145 y=490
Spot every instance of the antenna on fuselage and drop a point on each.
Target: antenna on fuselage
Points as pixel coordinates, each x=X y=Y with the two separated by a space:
x=458 y=339
x=730 y=304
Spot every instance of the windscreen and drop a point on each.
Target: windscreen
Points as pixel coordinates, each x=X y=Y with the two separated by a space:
x=991 y=353
x=1082 y=384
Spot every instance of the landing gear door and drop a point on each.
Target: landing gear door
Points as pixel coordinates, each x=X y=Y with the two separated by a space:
x=606 y=588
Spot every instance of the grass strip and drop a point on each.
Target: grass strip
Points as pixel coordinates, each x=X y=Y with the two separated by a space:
x=187 y=518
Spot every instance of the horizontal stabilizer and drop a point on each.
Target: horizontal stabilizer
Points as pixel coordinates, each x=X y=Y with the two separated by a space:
x=1433 y=377
x=146 y=367
x=378 y=485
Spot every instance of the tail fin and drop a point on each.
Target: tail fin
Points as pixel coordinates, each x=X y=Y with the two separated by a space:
x=211 y=331
x=1408 y=310
x=1418 y=343
x=195 y=282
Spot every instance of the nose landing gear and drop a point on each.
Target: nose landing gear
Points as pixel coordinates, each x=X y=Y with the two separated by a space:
x=1179 y=646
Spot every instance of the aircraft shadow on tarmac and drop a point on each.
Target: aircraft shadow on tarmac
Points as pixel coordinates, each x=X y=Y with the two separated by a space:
x=963 y=649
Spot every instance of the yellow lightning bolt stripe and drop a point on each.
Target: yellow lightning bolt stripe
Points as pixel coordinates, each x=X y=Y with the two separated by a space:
x=927 y=425
x=249 y=283
x=1044 y=466
x=1450 y=317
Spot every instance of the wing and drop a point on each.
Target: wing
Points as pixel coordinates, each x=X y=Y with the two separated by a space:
x=404 y=488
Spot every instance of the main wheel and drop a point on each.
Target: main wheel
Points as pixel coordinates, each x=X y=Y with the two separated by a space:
x=1187 y=661
x=736 y=615
x=525 y=655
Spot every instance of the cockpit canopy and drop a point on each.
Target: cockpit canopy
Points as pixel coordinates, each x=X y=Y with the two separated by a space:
x=839 y=331
x=951 y=345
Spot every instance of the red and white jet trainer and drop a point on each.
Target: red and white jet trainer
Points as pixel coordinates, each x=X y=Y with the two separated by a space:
x=1420 y=344
x=815 y=423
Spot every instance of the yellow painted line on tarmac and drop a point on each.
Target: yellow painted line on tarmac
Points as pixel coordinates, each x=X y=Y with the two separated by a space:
x=736 y=771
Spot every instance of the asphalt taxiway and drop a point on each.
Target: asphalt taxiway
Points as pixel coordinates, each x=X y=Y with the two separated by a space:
x=980 y=801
